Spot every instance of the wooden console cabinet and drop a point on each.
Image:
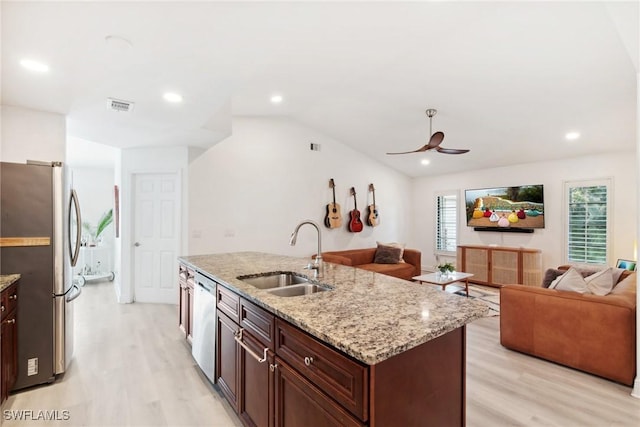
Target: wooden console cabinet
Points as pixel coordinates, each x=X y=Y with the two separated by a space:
x=8 y=339
x=186 y=285
x=496 y=265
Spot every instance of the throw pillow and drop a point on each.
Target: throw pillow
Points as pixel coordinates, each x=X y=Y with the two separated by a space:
x=550 y=275
x=600 y=283
x=572 y=280
x=394 y=245
x=387 y=255
x=628 y=284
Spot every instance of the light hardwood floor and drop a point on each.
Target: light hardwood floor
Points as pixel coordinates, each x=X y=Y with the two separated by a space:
x=132 y=367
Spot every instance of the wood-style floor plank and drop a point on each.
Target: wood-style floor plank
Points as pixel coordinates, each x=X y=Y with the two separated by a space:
x=132 y=367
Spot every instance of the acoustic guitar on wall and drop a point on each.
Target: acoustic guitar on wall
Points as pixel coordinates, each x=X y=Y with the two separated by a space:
x=333 y=218
x=355 y=223
x=372 y=214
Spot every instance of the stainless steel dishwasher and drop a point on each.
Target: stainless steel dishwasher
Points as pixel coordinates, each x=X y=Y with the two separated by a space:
x=203 y=344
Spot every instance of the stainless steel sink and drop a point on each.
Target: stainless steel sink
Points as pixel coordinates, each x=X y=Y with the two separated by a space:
x=298 y=290
x=277 y=279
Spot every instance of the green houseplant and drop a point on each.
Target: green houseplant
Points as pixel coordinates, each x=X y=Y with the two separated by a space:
x=103 y=223
x=446 y=268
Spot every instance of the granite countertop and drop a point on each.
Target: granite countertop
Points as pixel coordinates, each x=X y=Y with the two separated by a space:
x=7 y=280
x=369 y=316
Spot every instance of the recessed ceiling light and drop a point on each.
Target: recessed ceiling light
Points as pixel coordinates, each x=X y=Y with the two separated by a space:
x=276 y=99
x=172 y=97
x=36 y=66
x=425 y=161
x=572 y=136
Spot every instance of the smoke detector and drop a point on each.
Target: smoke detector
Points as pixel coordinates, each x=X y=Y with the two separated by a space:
x=119 y=105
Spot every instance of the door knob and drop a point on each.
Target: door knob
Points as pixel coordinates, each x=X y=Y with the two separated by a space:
x=136 y=244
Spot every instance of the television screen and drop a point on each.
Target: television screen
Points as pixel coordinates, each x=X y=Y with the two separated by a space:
x=506 y=207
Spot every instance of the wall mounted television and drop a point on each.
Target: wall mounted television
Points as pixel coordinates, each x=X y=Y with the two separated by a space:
x=519 y=209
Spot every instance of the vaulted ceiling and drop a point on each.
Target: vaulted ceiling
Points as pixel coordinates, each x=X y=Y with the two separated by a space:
x=509 y=79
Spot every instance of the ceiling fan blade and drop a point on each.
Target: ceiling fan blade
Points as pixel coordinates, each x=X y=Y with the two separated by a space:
x=450 y=150
x=419 y=150
x=435 y=140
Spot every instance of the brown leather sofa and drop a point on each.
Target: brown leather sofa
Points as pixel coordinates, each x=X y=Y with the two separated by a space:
x=595 y=334
x=363 y=258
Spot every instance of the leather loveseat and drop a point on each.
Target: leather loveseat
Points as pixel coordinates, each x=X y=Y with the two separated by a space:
x=364 y=258
x=592 y=333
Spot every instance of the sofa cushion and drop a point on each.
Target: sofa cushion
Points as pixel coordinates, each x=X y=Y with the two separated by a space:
x=572 y=280
x=401 y=270
x=625 y=286
x=388 y=254
x=550 y=275
x=600 y=283
x=395 y=245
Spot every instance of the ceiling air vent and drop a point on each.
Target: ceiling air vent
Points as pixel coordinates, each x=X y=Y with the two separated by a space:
x=119 y=105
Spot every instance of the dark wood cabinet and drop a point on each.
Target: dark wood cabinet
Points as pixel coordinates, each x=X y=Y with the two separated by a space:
x=8 y=339
x=256 y=384
x=299 y=403
x=186 y=285
x=227 y=358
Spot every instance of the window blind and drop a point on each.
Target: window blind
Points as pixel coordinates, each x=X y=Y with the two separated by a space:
x=446 y=223
x=587 y=230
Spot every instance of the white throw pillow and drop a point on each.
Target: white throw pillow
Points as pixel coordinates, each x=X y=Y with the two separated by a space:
x=572 y=280
x=601 y=282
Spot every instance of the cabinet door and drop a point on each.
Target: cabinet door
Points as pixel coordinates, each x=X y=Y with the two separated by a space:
x=184 y=310
x=477 y=263
x=504 y=267
x=299 y=403
x=256 y=384
x=9 y=350
x=189 y=310
x=227 y=358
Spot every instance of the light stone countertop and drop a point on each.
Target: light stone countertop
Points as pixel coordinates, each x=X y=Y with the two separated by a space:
x=7 y=280
x=367 y=315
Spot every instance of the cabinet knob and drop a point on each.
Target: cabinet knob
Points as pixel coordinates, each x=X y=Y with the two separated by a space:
x=11 y=321
x=136 y=244
x=2 y=308
x=13 y=297
x=273 y=367
x=308 y=361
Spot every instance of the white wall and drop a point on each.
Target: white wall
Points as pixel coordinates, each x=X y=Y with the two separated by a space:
x=145 y=160
x=621 y=167
x=31 y=135
x=248 y=192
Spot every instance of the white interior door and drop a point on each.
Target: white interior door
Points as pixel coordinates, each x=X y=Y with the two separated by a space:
x=156 y=237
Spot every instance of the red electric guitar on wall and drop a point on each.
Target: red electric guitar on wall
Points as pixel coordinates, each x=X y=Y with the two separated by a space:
x=355 y=223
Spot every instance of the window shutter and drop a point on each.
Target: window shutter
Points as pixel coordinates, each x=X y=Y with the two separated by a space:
x=446 y=223
x=587 y=226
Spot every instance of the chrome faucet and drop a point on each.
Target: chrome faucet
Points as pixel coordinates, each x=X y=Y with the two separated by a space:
x=317 y=263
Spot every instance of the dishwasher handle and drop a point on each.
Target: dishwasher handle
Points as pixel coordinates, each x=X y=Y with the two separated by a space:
x=238 y=337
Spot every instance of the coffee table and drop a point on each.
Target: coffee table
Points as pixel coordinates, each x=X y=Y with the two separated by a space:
x=444 y=280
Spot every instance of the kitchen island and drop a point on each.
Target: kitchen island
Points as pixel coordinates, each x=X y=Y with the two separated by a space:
x=387 y=351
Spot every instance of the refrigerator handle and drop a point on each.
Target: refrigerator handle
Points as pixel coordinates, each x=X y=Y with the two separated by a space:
x=73 y=295
x=74 y=245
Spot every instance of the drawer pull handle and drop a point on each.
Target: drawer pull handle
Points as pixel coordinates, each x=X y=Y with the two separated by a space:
x=13 y=297
x=238 y=338
x=11 y=321
x=273 y=367
x=308 y=361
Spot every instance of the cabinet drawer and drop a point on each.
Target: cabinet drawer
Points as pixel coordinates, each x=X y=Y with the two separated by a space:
x=258 y=321
x=228 y=302
x=8 y=300
x=343 y=379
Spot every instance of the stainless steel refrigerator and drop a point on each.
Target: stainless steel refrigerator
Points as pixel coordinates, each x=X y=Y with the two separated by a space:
x=40 y=229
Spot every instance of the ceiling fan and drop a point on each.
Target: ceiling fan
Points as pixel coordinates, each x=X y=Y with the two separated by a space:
x=435 y=140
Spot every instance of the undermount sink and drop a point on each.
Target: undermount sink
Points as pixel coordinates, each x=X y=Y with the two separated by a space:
x=277 y=279
x=298 y=290
x=285 y=284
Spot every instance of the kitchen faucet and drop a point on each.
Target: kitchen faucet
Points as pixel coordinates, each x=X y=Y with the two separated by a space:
x=317 y=263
